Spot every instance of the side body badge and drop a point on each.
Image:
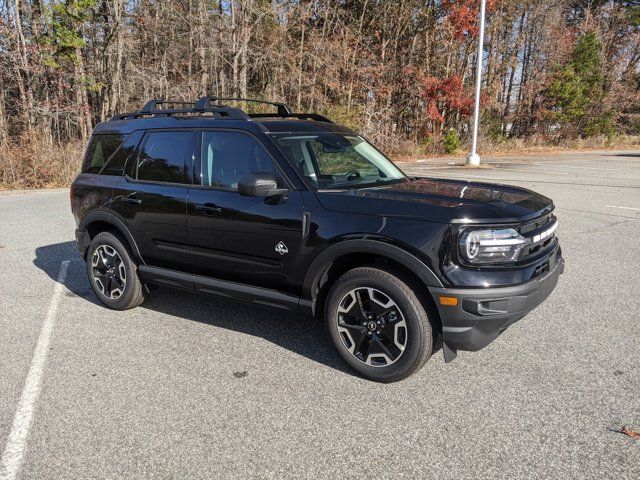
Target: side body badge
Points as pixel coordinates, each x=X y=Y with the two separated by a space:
x=281 y=248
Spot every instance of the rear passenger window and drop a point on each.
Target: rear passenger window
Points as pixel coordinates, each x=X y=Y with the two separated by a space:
x=226 y=156
x=100 y=149
x=163 y=157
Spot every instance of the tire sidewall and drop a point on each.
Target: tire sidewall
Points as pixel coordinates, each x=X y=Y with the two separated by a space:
x=417 y=338
x=106 y=238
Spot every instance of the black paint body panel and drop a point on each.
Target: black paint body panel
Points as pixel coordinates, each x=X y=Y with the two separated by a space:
x=483 y=314
x=218 y=241
x=237 y=242
x=444 y=201
x=158 y=223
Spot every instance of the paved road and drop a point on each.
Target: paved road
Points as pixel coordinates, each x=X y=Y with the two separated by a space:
x=195 y=387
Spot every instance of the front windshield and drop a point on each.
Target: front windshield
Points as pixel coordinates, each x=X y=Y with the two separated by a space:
x=332 y=160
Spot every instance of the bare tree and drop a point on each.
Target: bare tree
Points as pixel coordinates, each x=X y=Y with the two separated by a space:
x=400 y=71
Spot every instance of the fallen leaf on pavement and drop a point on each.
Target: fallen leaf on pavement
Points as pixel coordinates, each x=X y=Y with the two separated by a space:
x=629 y=432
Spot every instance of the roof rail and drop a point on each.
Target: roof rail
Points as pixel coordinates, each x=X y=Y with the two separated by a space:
x=152 y=105
x=211 y=105
x=151 y=109
x=205 y=102
x=301 y=116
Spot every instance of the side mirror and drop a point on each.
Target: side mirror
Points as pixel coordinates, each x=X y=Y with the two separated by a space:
x=259 y=185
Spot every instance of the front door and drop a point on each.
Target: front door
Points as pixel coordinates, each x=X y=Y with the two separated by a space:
x=152 y=198
x=251 y=240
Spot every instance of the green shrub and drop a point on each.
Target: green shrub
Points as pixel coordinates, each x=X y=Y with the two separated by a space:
x=492 y=127
x=451 y=142
x=352 y=118
x=603 y=124
x=424 y=145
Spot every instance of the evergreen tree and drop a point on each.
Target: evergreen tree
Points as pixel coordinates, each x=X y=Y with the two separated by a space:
x=576 y=93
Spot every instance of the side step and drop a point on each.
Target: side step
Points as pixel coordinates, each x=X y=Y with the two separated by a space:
x=224 y=288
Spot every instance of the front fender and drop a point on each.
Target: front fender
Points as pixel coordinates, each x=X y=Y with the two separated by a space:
x=328 y=256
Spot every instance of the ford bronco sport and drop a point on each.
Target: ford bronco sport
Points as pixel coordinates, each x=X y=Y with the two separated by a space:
x=295 y=212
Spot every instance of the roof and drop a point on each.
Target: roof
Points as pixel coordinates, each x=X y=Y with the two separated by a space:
x=208 y=112
x=278 y=125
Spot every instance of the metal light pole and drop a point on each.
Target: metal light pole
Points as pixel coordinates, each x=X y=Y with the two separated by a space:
x=474 y=158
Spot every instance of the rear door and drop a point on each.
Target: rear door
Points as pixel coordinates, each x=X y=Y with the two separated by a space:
x=250 y=240
x=152 y=198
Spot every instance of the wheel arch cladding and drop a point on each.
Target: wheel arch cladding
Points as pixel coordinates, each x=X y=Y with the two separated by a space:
x=338 y=259
x=104 y=222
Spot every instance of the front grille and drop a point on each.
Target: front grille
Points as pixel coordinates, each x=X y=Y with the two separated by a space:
x=535 y=228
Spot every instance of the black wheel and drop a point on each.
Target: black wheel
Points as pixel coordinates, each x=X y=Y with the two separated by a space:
x=378 y=324
x=112 y=273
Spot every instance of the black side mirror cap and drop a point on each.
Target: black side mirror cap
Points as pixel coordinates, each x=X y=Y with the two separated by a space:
x=259 y=185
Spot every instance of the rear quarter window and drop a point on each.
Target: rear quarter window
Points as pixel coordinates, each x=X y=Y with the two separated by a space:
x=101 y=148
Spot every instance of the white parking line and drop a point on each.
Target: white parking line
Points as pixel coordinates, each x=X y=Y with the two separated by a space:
x=608 y=164
x=442 y=168
x=626 y=162
x=625 y=208
x=580 y=167
x=472 y=177
x=529 y=170
x=13 y=454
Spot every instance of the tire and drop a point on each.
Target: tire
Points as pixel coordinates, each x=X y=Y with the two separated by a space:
x=378 y=344
x=112 y=273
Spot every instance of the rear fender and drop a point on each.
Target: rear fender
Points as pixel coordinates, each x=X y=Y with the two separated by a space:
x=116 y=223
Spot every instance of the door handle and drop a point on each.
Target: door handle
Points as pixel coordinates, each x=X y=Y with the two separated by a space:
x=130 y=200
x=208 y=209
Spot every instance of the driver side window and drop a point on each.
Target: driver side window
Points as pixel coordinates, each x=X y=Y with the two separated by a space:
x=227 y=156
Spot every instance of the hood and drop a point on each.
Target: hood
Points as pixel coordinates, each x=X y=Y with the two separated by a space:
x=441 y=200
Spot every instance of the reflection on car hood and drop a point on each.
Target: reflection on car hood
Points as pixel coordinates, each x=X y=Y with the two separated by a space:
x=440 y=200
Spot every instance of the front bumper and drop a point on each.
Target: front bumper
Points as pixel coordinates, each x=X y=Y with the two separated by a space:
x=482 y=314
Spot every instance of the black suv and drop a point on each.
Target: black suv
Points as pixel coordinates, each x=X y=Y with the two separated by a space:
x=295 y=212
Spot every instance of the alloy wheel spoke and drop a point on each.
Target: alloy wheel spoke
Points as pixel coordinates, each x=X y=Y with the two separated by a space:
x=351 y=326
x=350 y=307
x=388 y=332
x=359 y=339
x=378 y=310
x=356 y=312
x=372 y=326
x=364 y=312
x=100 y=285
x=365 y=346
x=116 y=284
x=384 y=313
x=109 y=273
x=380 y=347
x=103 y=258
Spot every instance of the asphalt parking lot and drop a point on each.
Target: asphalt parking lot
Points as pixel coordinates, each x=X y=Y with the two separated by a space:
x=187 y=386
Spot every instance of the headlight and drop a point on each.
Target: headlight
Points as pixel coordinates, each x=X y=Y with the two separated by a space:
x=491 y=245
